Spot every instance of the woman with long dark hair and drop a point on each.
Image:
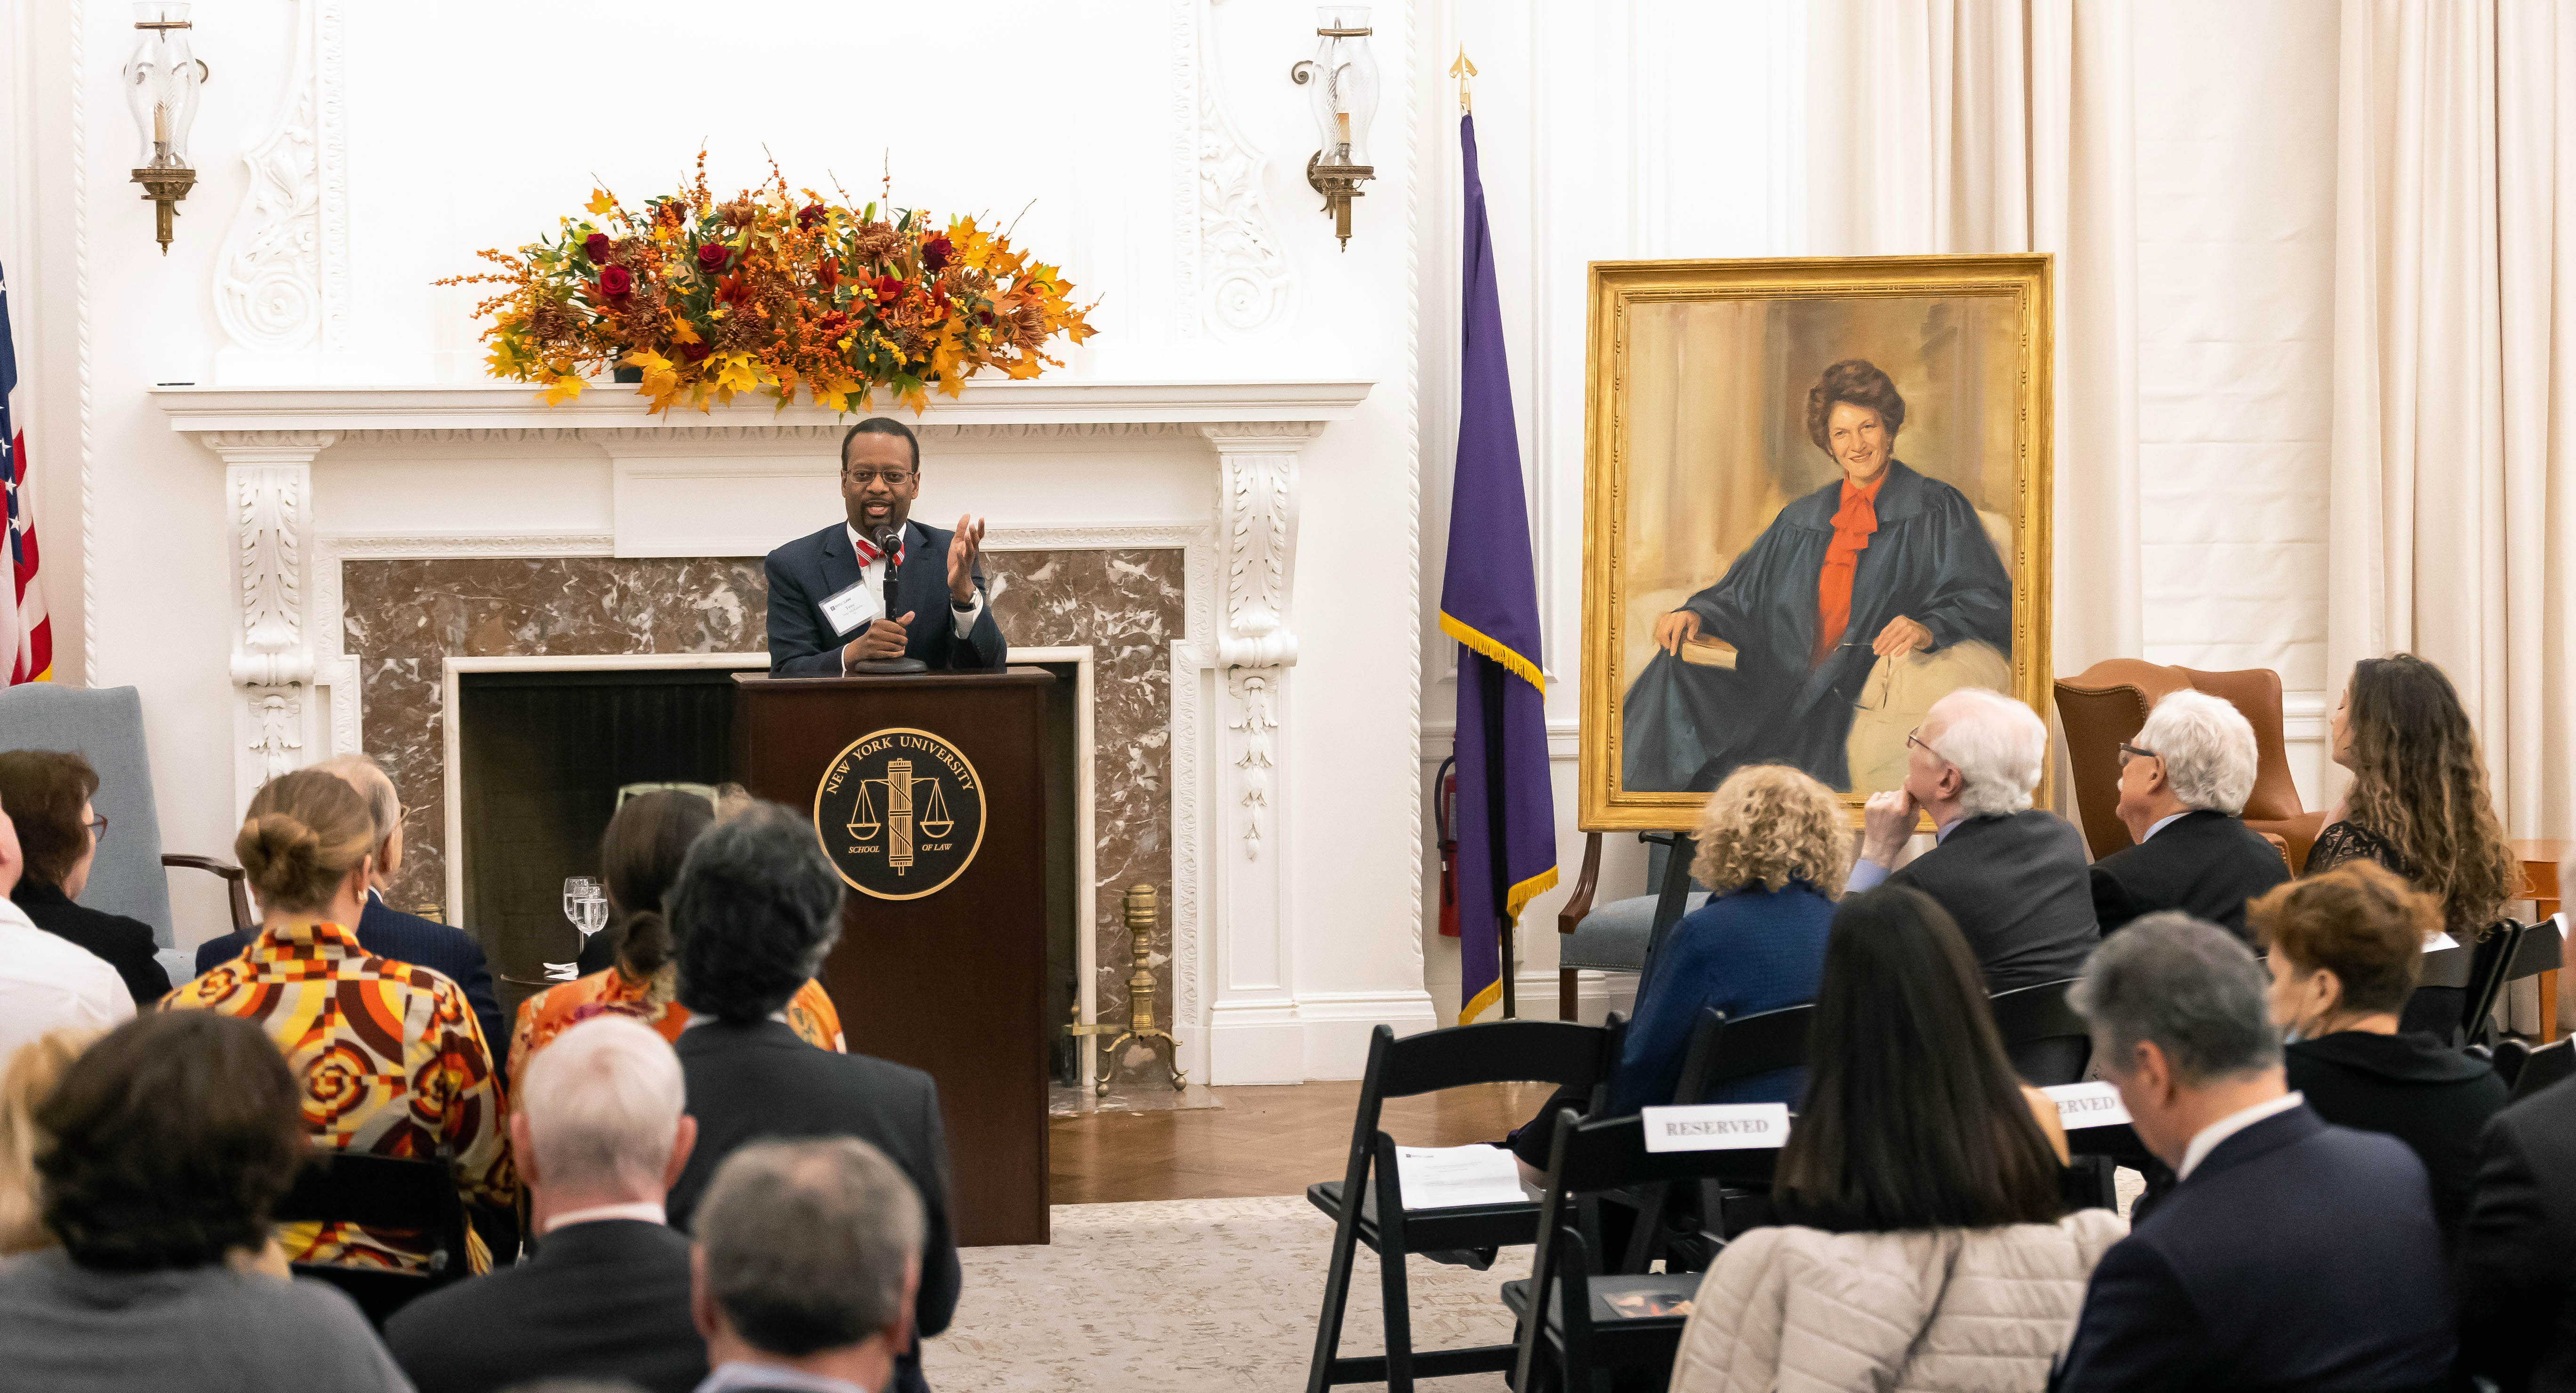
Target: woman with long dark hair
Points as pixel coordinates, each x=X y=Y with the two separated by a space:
x=2418 y=802
x=640 y=856
x=2419 y=806
x=1919 y=1182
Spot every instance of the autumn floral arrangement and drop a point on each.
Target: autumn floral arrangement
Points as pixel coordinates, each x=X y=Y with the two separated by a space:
x=771 y=292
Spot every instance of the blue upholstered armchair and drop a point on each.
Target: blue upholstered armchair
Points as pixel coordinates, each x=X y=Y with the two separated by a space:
x=1617 y=936
x=105 y=727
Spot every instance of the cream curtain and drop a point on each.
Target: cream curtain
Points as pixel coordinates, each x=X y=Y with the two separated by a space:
x=2455 y=371
x=1978 y=126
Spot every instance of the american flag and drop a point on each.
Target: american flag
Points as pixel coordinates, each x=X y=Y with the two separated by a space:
x=25 y=634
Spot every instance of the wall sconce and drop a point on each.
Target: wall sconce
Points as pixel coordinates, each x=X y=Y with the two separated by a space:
x=1342 y=76
x=161 y=82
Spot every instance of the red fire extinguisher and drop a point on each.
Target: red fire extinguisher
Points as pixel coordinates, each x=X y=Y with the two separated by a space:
x=1444 y=805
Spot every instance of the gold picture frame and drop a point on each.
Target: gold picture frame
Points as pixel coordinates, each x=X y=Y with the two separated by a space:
x=1970 y=339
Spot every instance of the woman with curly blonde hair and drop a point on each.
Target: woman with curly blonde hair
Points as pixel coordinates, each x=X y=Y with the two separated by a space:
x=1774 y=848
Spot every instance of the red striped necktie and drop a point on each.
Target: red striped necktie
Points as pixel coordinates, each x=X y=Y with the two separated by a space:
x=868 y=553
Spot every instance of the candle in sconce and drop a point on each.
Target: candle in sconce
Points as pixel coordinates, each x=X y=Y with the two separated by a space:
x=160 y=126
x=1342 y=130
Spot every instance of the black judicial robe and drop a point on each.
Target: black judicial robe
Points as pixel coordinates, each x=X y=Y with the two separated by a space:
x=1685 y=728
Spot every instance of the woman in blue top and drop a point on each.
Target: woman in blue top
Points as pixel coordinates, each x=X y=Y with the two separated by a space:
x=1774 y=846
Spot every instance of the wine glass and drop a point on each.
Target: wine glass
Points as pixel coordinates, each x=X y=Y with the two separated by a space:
x=587 y=908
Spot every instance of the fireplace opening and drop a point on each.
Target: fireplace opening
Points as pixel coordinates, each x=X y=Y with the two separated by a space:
x=542 y=757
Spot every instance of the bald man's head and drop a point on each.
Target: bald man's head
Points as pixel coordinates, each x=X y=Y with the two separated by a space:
x=384 y=806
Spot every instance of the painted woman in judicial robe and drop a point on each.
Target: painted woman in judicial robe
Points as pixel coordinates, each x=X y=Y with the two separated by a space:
x=1883 y=563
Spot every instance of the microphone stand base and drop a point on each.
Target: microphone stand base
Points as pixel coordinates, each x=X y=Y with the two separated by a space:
x=886 y=667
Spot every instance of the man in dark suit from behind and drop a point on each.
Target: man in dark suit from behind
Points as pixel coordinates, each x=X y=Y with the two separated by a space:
x=827 y=591
x=386 y=931
x=756 y=910
x=2517 y=1254
x=599 y=1135
x=2292 y=1253
x=2183 y=780
x=2013 y=876
x=808 y=1269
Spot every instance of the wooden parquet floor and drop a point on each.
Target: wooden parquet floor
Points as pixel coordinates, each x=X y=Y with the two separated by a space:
x=1264 y=1141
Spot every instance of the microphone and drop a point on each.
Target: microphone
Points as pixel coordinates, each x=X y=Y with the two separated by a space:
x=889 y=540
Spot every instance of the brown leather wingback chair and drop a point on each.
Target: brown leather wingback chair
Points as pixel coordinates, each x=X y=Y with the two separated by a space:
x=2108 y=702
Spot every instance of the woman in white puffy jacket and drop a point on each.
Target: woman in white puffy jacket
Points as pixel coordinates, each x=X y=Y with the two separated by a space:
x=1922 y=1243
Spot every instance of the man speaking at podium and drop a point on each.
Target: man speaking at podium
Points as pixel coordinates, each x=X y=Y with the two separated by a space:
x=877 y=585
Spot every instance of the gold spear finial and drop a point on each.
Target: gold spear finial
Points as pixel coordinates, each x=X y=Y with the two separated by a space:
x=1463 y=71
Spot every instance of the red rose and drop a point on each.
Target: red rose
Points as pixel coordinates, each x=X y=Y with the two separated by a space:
x=809 y=215
x=614 y=282
x=712 y=257
x=888 y=289
x=696 y=352
x=936 y=251
x=596 y=246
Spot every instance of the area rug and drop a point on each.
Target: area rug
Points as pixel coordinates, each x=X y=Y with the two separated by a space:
x=1191 y=1296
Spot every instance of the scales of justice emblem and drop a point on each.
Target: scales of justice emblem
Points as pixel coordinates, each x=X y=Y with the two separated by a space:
x=900 y=811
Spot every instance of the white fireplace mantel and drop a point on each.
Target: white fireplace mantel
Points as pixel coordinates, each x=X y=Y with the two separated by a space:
x=605 y=408
x=1241 y=564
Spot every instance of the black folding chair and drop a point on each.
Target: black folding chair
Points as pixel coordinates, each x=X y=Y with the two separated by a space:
x=1367 y=1204
x=2541 y=1067
x=1590 y=1322
x=2535 y=949
x=1738 y=1195
x=382 y=1192
x=2046 y=1040
x=2490 y=958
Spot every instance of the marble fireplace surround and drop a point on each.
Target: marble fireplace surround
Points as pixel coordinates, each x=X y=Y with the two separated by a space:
x=1238 y=567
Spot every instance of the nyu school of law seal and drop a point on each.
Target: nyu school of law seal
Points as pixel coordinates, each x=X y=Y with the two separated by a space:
x=900 y=812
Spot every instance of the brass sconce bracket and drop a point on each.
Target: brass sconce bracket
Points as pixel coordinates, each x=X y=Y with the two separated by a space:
x=1338 y=187
x=165 y=187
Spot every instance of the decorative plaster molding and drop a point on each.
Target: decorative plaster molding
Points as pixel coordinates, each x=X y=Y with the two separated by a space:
x=1256 y=716
x=268 y=531
x=81 y=343
x=268 y=277
x=1235 y=277
x=1257 y=522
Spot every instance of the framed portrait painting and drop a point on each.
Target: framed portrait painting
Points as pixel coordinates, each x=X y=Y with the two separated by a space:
x=1816 y=500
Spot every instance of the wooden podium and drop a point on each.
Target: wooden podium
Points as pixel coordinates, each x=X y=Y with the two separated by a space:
x=942 y=958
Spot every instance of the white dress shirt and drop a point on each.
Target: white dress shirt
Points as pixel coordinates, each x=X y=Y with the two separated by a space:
x=873 y=575
x=742 y=1373
x=1869 y=875
x=2207 y=1138
x=2161 y=823
x=645 y=1210
x=47 y=982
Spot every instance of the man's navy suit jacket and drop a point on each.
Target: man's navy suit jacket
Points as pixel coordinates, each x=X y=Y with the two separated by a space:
x=387 y=932
x=809 y=570
x=2295 y=1255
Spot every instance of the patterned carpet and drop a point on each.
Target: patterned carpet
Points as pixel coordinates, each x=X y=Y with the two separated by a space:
x=1190 y=1296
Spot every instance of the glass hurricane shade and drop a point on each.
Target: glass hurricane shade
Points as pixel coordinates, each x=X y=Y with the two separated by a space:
x=1344 y=89
x=161 y=82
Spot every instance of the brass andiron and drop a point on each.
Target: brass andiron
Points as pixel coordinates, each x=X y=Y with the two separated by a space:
x=1140 y=999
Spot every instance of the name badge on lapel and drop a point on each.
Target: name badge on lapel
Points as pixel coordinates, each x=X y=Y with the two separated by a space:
x=850 y=608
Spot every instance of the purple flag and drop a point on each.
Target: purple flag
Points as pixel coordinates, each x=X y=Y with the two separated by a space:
x=1506 y=825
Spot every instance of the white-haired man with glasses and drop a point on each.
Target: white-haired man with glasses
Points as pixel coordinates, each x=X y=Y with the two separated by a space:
x=2013 y=876
x=2184 y=779
x=878 y=585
